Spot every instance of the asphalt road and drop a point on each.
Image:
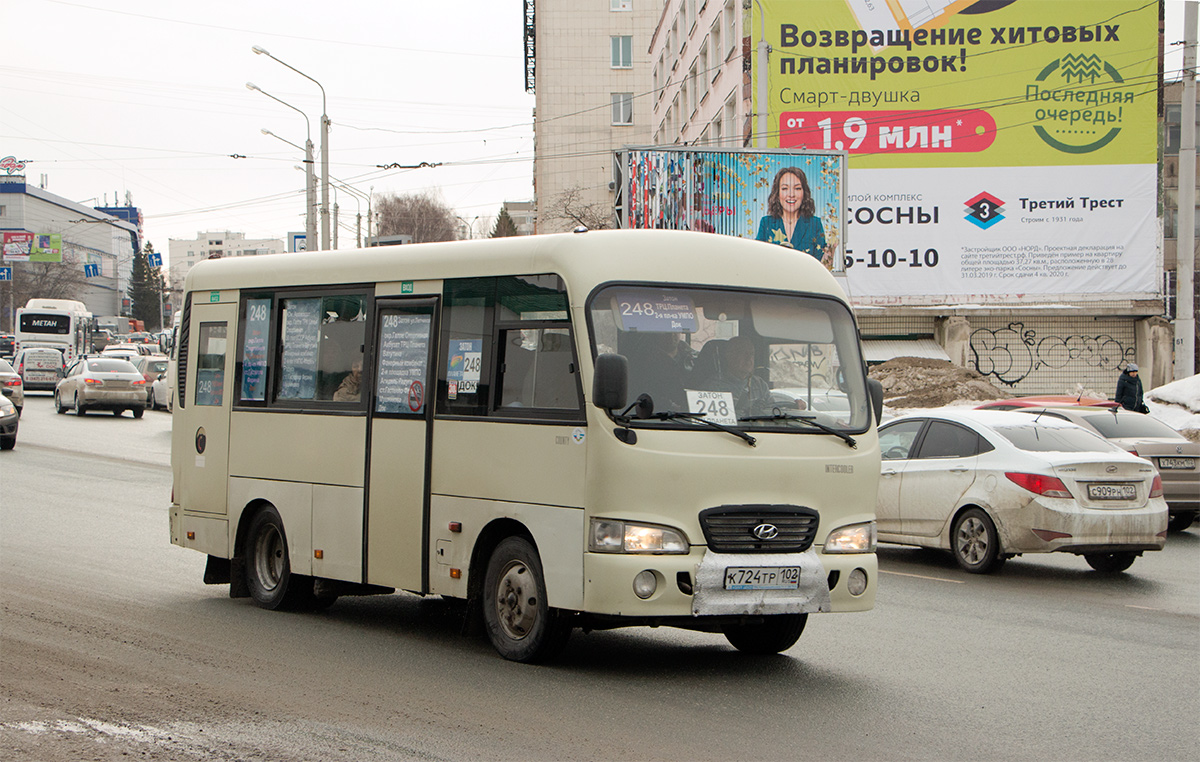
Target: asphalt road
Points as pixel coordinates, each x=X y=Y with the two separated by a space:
x=112 y=648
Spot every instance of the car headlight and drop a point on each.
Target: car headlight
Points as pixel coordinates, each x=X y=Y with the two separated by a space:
x=609 y=536
x=6 y=406
x=856 y=538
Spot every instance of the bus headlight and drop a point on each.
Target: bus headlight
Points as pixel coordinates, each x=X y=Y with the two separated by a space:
x=608 y=536
x=856 y=538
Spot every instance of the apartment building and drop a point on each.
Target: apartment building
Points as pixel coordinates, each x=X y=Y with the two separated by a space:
x=588 y=63
x=184 y=254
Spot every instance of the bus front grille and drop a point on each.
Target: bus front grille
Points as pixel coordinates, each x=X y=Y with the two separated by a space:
x=759 y=528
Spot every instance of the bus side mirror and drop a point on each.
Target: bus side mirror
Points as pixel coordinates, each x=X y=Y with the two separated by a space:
x=610 y=384
x=875 y=389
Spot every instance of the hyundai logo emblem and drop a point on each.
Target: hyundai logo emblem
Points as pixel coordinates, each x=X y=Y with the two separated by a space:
x=766 y=531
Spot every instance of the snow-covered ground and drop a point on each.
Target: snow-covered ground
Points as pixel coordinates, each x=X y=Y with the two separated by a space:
x=1176 y=404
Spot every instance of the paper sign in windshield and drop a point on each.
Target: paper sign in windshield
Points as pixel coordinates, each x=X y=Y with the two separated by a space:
x=658 y=312
x=714 y=406
x=462 y=370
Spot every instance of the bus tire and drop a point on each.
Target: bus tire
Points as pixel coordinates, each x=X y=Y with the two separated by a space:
x=268 y=567
x=774 y=634
x=520 y=623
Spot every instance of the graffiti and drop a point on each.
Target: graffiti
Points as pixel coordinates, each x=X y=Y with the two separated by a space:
x=802 y=367
x=1011 y=354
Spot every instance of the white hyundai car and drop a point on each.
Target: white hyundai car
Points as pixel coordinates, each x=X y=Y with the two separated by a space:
x=989 y=485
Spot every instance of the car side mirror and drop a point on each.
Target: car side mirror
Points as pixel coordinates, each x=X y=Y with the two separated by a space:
x=610 y=383
x=161 y=376
x=875 y=390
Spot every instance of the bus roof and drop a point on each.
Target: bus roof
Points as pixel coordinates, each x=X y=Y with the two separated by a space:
x=584 y=260
x=58 y=305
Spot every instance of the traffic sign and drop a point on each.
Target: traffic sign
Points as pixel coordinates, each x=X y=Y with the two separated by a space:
x=6 y=273
x=155 y=259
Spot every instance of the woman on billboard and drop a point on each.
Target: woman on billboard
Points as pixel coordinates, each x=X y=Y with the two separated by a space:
x=791 y=219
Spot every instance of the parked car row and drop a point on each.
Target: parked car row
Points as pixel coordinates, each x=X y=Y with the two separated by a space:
x=987 y=485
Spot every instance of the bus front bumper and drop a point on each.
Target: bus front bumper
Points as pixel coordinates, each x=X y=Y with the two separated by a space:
x=691 y=586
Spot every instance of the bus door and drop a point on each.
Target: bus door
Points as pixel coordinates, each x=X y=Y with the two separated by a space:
x=398 y=442
x=209 y=366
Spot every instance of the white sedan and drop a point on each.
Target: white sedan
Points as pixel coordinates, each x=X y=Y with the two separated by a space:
x=989 y=485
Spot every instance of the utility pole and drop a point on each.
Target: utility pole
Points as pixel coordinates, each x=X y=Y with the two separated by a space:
x=1185 y=249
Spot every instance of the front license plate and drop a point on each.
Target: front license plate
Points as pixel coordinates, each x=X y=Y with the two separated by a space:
x=1112 y=491
x=762 y=577
x=1186 y=463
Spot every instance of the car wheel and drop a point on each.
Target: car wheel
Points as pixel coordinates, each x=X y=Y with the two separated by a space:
x=118 y=412
x=79 y=409
x=59 y=407
x=520 y=623
x=268 y=568
x=1110 y=563
x=19 y=409
x=138 y=412
x=1180 y=521
x=7 y=443
x=975 y=543
x=774 y=634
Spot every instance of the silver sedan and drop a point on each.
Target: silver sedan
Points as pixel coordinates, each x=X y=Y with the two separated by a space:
x=101 y=383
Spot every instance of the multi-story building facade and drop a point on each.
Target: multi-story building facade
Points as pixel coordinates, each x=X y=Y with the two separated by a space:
x=89 y=237
x=588 y=64
x=214 y=244
x=701 y=89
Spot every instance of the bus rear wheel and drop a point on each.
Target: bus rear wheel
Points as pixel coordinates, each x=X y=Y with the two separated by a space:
x=268 y=567
x=520 y=623
x=774 y=634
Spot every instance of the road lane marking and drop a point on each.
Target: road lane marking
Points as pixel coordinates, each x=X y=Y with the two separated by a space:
x=922 y=576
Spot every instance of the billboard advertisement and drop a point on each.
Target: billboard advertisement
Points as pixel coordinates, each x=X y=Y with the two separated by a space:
x=996 y=149
x=18 y=246
x=790 y=198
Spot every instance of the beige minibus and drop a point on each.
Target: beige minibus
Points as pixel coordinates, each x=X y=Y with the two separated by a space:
x=581 y=431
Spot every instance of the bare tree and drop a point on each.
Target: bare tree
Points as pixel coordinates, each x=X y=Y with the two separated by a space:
x=424 y=216
x=571 y=208
x=46 y=280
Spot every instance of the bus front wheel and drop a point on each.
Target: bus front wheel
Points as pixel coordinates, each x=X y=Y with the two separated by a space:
x=520 y=623
x=774 y=634
x=268 y=568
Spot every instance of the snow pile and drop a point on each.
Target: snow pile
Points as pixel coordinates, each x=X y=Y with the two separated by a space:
x=921 y=382
x=1177 y=404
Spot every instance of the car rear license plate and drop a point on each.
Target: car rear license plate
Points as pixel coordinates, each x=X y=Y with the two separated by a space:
x=1112 y=491
x=1188 y=463
x=762 y=577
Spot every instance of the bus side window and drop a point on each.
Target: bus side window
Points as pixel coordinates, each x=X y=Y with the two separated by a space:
x=210 y=364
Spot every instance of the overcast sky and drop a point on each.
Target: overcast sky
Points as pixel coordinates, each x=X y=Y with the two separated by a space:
x=148 y=97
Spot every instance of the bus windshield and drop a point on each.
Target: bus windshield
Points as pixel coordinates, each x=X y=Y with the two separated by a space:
x=34 y=322
x=740 y=358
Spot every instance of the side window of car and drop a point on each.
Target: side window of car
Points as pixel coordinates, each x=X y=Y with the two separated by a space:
x=896 y=441
x=949 y=440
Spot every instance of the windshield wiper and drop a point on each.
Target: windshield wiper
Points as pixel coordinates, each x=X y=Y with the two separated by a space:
x=671 y=415
x=643 y=407
x=779 y=415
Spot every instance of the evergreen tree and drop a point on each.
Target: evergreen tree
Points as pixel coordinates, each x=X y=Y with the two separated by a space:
x=504 y=226
x=145 y=290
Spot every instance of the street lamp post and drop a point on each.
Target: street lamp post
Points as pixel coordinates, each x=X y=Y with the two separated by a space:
x=310 y=188
x=310 y=231
x=357 y=194
x=324 y=146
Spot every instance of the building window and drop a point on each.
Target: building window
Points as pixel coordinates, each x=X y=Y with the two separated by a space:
x=622 y=51
x=693 y=90
x=622 y=108
x=621 y=5
x=705 y=74
x=715 y=36
x=731 y=35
